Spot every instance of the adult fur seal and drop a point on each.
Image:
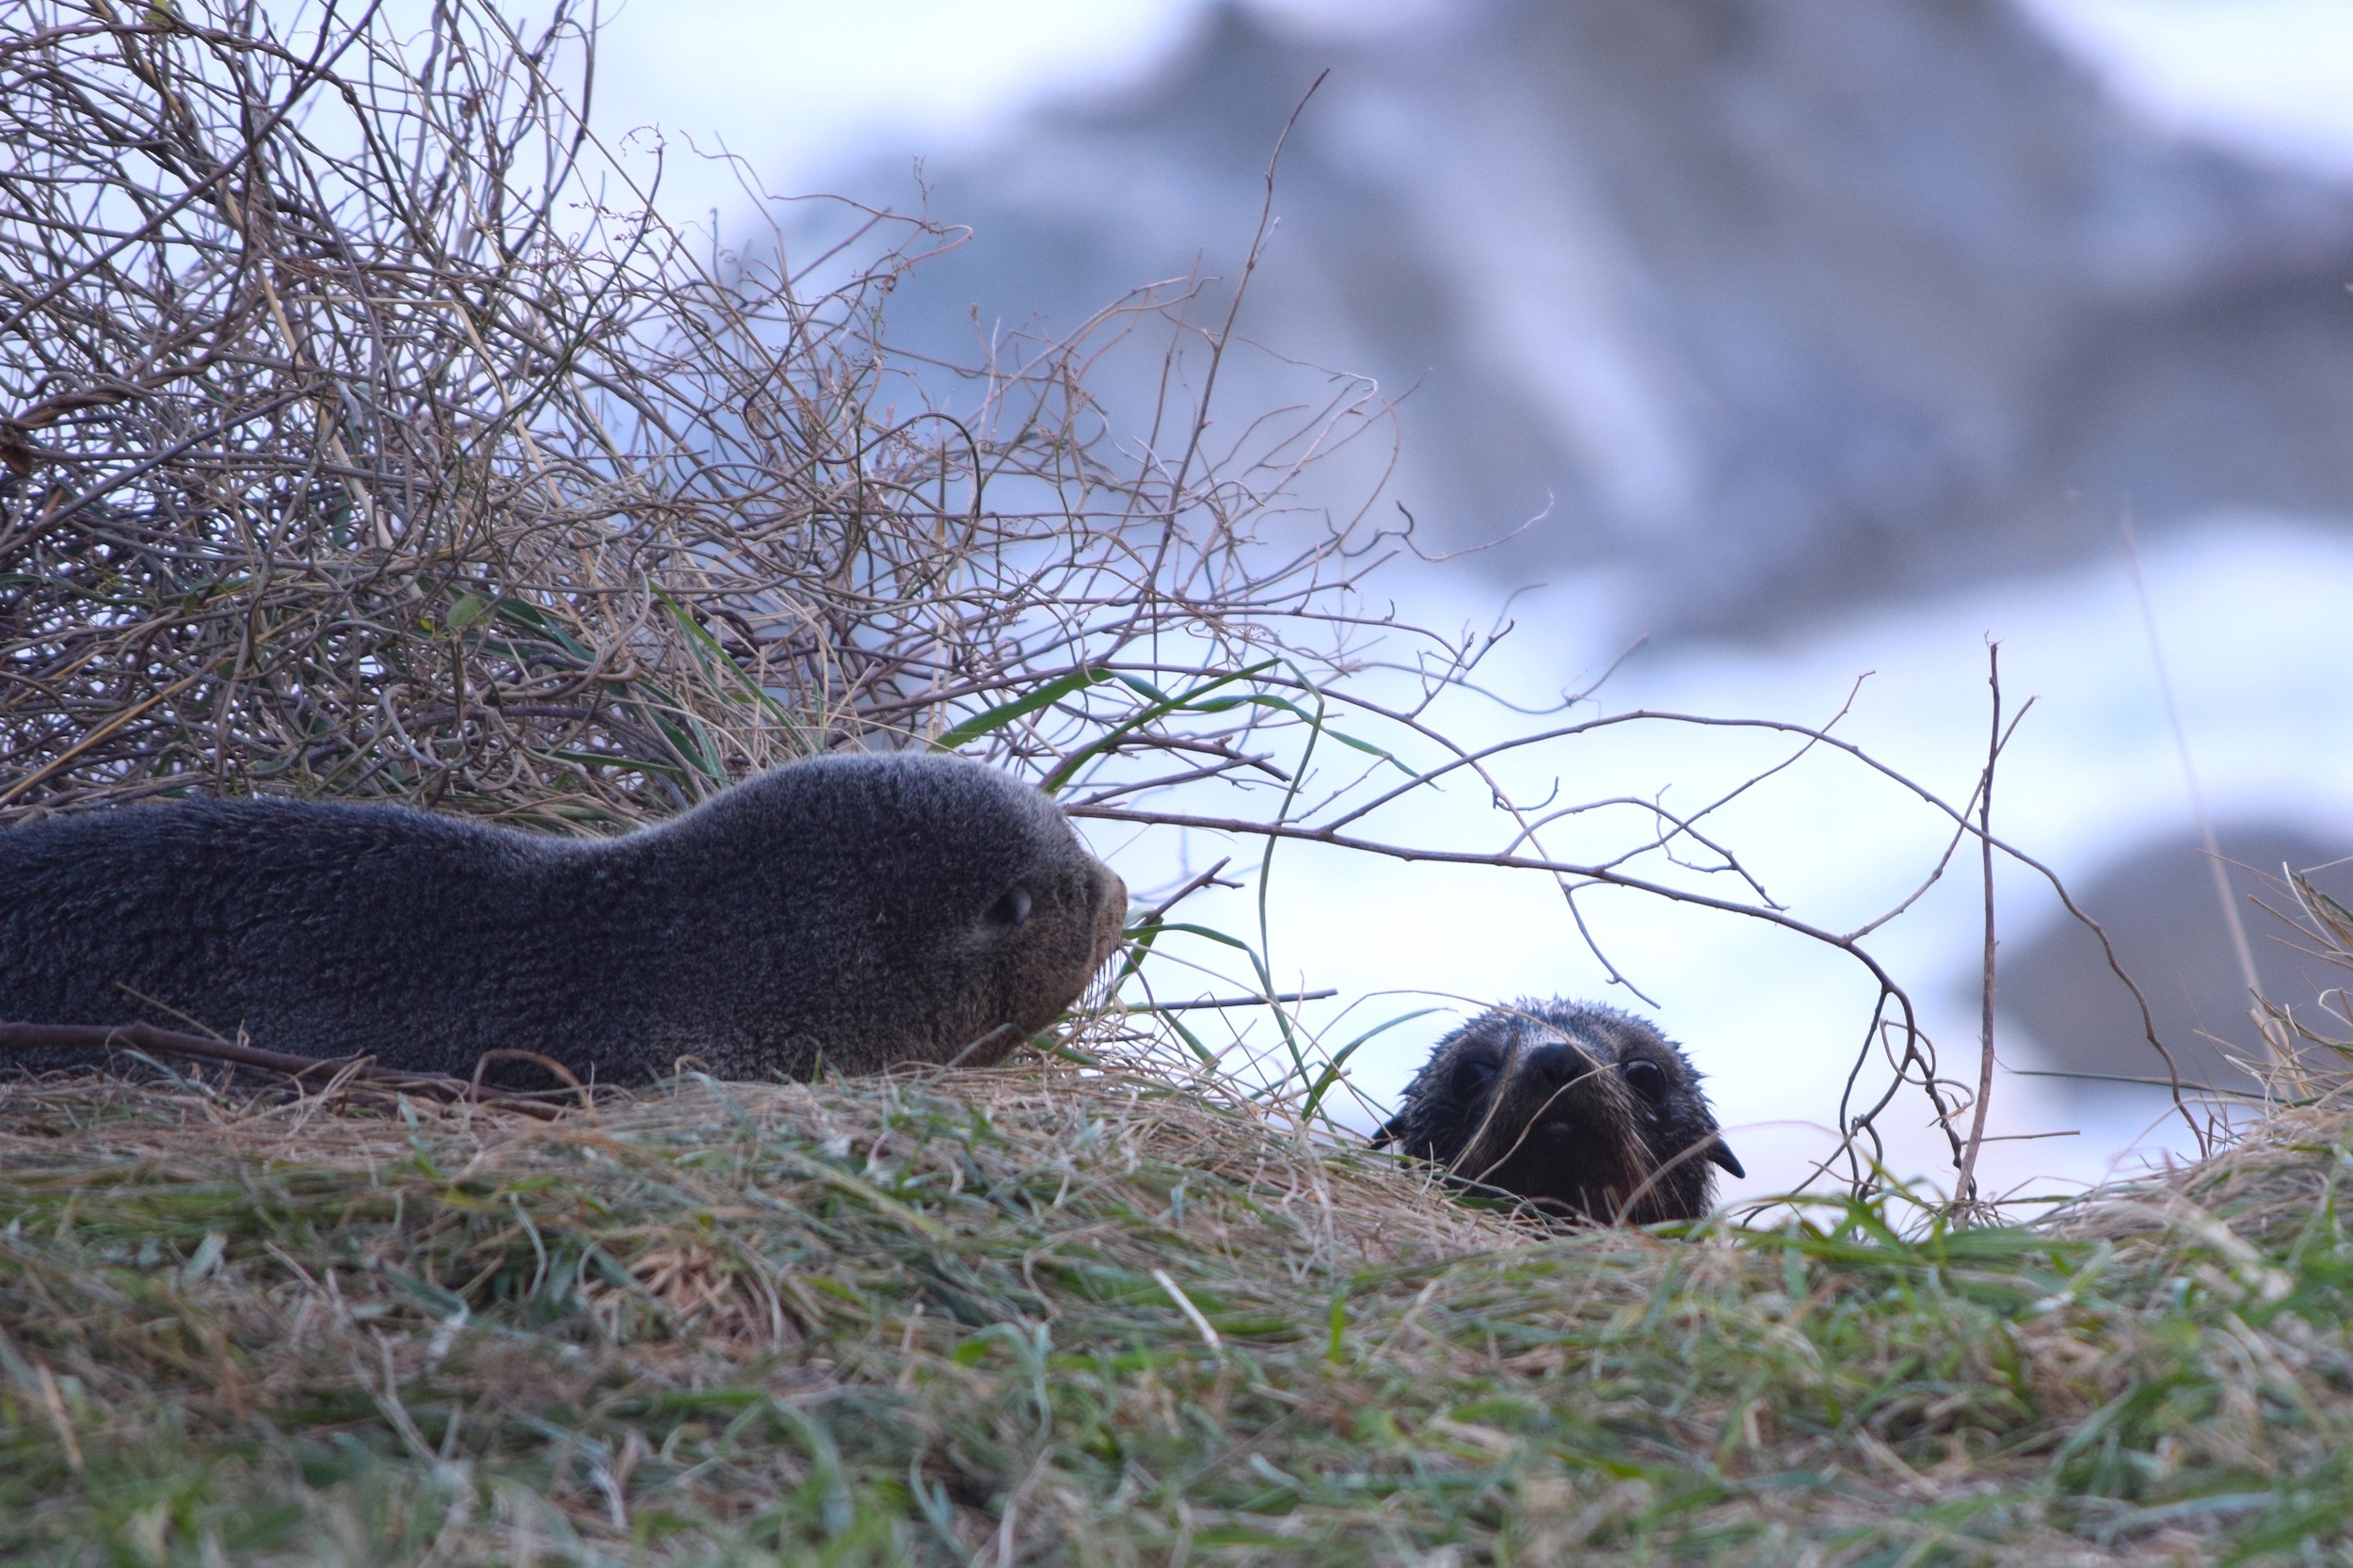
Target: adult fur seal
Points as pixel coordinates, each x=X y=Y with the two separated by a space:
x=849 y=911
x=1578 y=1108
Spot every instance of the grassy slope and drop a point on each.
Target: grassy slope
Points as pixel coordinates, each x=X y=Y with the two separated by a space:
x=920 y=1320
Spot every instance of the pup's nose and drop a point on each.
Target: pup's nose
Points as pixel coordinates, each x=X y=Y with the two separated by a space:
x=1108 y=900
x=1109 y=894
x=1556 y=1062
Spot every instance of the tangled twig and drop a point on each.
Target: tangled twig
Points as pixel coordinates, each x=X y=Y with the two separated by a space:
x=303 y=1071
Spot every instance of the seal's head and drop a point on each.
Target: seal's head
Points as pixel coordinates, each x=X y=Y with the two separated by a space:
x=921 y=907
x=1580 y=1109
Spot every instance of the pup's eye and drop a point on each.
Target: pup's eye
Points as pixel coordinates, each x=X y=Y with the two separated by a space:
x=1472 y=1077
x=1012 y=909
x=1646 y=1079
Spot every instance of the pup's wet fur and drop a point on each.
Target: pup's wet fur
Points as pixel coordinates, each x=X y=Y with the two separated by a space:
x=1580 y=1110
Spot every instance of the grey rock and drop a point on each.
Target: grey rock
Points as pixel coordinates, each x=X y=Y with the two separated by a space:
x=1778 y=305
x=2158 y=907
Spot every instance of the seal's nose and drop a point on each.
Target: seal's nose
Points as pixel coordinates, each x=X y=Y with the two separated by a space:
x=1106 y=896
x=1556 y=1062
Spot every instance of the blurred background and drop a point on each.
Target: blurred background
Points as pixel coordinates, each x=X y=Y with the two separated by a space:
x=1796 y=343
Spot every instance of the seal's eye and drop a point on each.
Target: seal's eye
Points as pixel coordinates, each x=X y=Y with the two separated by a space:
x=1012 y=909
x=1472 y=1076
x=1646 y=1079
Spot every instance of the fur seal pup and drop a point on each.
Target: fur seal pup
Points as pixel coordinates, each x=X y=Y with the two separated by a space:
x=1581 y=1109
x=854 y=911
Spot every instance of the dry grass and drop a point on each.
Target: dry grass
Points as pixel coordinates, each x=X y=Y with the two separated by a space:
x=1043 y=1314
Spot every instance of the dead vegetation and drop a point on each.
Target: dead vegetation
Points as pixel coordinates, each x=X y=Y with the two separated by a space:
x=367 y=432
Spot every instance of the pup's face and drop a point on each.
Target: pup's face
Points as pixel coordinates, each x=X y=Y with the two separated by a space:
x=933 y=910
x=1581 y=1109
x=1035 y=946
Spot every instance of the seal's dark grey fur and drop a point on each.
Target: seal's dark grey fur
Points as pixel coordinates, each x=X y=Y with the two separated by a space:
x=857 y=911
x=1578 y=1108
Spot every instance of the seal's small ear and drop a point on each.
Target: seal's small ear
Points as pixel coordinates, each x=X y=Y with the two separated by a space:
x=1720 y=1153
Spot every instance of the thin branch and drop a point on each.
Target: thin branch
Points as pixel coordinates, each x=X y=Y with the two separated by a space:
x=303 y=1071
x=1966 y=1189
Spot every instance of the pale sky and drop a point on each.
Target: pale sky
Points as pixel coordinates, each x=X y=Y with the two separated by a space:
x=802 y=88
x=2273 y=75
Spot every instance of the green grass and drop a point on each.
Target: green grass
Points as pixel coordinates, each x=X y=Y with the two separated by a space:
x=1030 y=1316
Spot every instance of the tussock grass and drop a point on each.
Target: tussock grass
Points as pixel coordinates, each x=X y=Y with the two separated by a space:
x=1042 y=1315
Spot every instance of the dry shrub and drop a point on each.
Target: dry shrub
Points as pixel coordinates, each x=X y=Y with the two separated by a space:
x=366 y=432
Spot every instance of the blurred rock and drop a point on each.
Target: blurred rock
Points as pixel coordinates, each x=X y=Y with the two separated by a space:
x=1783 y=305
x=2159 y=910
